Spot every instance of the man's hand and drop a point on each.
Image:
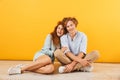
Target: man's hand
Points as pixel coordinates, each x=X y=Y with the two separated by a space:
x=69 y=68
x=63 y=49
x=84 y=62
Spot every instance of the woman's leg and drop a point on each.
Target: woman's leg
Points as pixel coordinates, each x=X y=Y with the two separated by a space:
x=40 y=62
x=45 y=69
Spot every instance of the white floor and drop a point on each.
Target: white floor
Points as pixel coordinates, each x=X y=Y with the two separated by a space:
x=102 y=71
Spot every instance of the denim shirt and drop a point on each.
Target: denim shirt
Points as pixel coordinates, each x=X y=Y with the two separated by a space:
x=48 y=47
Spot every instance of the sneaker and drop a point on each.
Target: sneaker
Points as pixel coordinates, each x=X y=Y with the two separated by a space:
x=61 y=69
x=86 y=69
x=20 y=65
x=14 y=70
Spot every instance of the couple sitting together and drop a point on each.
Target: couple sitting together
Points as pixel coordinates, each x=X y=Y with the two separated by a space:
x=67 y=45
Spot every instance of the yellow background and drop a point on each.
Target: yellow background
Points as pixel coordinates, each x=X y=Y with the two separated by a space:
x=24 y=25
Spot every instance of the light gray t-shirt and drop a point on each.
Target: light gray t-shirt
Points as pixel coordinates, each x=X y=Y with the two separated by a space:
x=76 y=45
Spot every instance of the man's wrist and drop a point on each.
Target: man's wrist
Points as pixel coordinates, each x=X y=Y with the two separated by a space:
x=74 y=63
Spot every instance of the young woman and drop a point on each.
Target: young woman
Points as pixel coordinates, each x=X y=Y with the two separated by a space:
x=43 y=60
x=73 y=54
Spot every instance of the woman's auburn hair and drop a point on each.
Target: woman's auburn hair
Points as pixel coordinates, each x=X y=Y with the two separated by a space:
x=55 y=38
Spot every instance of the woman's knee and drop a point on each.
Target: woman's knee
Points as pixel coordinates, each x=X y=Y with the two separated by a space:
x=44 y=59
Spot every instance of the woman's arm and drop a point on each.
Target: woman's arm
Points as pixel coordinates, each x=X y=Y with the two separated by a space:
x=47 y=45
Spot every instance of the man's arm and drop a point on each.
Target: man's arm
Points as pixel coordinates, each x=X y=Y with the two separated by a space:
x=77 y=59
x=81 y=55
x=73 y=57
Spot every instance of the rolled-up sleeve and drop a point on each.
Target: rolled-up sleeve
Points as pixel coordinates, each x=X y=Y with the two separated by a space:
x=83 y=45
x=64 y=43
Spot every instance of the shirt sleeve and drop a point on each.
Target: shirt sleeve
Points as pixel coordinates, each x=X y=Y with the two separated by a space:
x=47 y=42
x=64 y=43
x=47 y=45
x=83 y=45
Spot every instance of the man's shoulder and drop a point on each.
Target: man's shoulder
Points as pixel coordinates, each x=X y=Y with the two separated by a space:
x=81 y=33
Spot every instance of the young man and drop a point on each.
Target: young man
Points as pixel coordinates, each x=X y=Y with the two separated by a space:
x=73 y=52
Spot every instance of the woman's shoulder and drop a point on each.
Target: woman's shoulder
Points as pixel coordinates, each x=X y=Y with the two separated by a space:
x=49 y=35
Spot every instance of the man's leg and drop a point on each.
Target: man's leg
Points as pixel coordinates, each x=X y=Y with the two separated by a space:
x=61 y=57
x=91 y=57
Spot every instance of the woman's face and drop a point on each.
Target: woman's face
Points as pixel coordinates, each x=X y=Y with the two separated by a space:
x=60 y=30
x=71 y=28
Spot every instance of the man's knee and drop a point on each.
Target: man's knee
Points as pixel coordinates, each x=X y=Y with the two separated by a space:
x=92 y=56
x=96 y=53
x=61 y=57
x=57 y=53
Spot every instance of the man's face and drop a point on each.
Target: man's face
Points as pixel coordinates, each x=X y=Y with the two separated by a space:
x=70 y=27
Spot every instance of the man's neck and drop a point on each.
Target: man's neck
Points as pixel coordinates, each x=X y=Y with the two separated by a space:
x=72 y=35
